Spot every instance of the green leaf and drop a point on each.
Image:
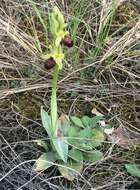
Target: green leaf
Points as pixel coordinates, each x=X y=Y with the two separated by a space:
x=85 y=133
x=90 y=138
x=91 y=122
x=46 y=121
x=81 y=138
x=86 y=121
x=133 y=169
x=77 y=121
x=70 y=170
x=85 y=139
x=98 y=137
x=73 y=135
x=61 y=146
x=76 y=155
x=73 y=132
x=93 y=156
x=45 y=161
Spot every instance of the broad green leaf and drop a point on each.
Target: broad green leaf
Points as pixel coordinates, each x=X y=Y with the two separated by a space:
x=73 y=135
x=46 y=121
x=86 y=121
x=76 y=155
x=91 y=122
x=93 y=156
x=77 y=121
x=133 y=169
x=45 y=161
x=84 y=146
x=90 y=138
x=85 y=133
x=61 y=146
x=85 y=139
x=80 y=138
x=98 y=137
x=73 y=132
x=70 y=170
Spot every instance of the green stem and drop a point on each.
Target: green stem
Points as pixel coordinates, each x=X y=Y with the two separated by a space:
x=54 y=118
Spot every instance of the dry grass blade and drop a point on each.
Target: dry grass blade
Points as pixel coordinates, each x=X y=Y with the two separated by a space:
x=125 y=41
x=16 y=34
x=107 y=7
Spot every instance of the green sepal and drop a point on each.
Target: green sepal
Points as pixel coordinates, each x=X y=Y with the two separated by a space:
x=57 y=22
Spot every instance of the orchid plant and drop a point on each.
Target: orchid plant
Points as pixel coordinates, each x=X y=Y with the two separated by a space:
x=54 y=60
x=72 y=140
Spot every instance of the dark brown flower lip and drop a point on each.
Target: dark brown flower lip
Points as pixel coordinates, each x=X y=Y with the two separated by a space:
x=67 y=41
x=49 y=63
